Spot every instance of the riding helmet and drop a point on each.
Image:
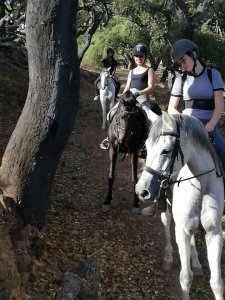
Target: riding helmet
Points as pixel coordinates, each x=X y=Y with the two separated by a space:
x=110 y=50
x=139 y=50
x=181 y=48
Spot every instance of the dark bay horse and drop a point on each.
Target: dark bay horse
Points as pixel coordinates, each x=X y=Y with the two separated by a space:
x=127 y=133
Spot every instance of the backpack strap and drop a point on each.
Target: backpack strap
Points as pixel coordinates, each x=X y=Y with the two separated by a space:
x=209 y=71
x=183 y=78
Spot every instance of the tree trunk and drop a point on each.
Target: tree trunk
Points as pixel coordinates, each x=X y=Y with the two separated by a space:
x=31 y=156
x=30 y=160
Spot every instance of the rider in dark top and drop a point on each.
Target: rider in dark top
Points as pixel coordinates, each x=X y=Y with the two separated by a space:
x=108 y=62
x=139 y=81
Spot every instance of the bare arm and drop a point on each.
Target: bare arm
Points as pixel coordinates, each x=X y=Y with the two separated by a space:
x=151 y=83
x=218 y=111
x=173 y=105
x=127 y=87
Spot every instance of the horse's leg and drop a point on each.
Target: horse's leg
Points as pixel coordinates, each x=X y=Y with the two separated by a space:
x=184 y=245
x=168 y=254
x=112 y=101
x=196 y=266
x=134 y=162
x=214 y=241
x=211 y=222
x=104 y=109
x=113 y=157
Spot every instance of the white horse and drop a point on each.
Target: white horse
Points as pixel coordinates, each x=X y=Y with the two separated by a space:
x=181 y=157
x=107 y=94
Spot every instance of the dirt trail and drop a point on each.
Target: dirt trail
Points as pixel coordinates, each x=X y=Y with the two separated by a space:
x=127 y=248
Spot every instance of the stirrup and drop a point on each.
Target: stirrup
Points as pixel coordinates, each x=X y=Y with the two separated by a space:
x=104 y=144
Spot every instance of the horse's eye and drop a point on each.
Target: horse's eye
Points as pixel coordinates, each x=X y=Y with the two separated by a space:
x=165 y=151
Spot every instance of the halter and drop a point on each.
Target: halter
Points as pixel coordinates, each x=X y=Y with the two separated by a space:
x=108 y=81
x=118 y=123
x=165 y=180
x=117 y=127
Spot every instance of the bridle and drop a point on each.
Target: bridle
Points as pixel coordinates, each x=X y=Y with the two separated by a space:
x=107 y=81
x=118 y=126
x=164 y=177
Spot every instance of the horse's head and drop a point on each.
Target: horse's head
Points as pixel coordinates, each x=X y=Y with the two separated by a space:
x=126 y=121
x=163 y=149
x=105 y=77
x=128 y=102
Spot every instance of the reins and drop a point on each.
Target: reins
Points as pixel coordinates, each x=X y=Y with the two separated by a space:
x=180 y=180
x=166 y=181
x=109 y=80
x=117 y=127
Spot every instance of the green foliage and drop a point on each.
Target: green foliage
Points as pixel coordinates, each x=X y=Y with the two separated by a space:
x=158 y=24
x=121 y=34
x=211 y=49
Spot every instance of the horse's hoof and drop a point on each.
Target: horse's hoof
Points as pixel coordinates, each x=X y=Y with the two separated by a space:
x=106 y=207
x=167 y=265
x=136 y=210
x=197 y=271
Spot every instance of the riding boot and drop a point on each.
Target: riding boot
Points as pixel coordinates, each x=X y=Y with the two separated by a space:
x=118 y=84
x=105 y=144
x=96 y=98
x=97 y=87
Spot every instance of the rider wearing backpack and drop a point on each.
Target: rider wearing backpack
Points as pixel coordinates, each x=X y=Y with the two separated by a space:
x=108 y=62
x=201 y=89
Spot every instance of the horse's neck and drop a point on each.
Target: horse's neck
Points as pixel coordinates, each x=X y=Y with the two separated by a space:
x=106 y=82
x=200 y=160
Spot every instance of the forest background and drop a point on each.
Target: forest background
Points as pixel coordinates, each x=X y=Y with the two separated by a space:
x=54 y=38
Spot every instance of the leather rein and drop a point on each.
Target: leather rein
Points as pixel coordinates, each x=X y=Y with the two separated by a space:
x=165 y=180
x=117 y=127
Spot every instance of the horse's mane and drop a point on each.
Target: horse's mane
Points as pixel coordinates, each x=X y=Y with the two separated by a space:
x=192 y=127
x=104 y=70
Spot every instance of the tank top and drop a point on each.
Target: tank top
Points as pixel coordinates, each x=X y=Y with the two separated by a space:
x=139 y=81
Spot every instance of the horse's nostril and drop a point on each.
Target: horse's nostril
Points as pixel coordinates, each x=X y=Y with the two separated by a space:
x=144 y=193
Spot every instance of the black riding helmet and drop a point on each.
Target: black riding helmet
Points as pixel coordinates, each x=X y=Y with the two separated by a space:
x=110 y=50
x=139 y=50
x=181 y=48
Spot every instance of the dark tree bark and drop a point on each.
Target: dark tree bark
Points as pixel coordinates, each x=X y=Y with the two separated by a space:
x=189 y=23
x=32 y=154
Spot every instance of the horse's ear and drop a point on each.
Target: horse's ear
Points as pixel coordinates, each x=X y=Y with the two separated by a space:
x=108 y=69
x=127 y=97
x=169 y=124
